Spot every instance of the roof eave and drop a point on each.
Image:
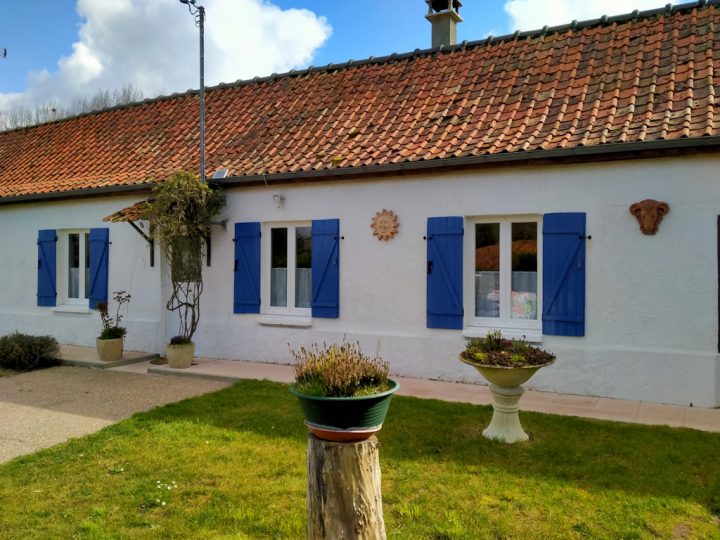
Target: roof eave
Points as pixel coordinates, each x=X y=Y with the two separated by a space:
x=619 y=150
x=76 y=193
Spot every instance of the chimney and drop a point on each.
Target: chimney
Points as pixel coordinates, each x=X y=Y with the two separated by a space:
x=444 y=16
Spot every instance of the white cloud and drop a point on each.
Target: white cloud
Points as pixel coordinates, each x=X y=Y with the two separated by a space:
x=534 y=14
x=153 y=45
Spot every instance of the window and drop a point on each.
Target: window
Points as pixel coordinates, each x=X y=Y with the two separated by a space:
x=506 y=275
x=72 y=272
x=288 y=269
x=75 y=267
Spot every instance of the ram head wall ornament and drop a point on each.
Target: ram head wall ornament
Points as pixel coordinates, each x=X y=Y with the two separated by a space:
x=649 y=213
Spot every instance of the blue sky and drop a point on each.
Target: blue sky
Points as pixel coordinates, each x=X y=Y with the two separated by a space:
x=38 y=32
x=58 y=49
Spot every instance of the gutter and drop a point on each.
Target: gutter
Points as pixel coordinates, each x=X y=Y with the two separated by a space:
x=631 y=150
x=76 y=193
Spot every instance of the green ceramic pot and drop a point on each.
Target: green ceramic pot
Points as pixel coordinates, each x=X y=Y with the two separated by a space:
x=345 y=418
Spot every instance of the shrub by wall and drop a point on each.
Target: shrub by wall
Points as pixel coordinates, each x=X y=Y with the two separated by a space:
x=22 y=352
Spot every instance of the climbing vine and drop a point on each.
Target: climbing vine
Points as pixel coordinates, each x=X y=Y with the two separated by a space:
x=179 y=213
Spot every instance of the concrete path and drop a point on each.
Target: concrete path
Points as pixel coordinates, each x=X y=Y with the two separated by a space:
x=47 y=407
x=621 y=410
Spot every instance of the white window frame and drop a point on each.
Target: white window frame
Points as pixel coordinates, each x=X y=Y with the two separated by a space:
x=266 y=266
x=64 y=266
x=531 y=330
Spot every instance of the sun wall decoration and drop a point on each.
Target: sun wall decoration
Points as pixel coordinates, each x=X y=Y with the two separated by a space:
x=385 y=225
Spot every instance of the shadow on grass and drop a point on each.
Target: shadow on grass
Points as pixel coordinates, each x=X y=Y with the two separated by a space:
x=592 y=454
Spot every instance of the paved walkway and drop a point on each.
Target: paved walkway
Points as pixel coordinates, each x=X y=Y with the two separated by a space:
x=621 y=410
x=47 y=407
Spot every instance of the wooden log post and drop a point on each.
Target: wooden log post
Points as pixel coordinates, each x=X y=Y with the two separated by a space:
x=344 y=498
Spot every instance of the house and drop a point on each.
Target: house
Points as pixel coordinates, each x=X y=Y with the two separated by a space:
x=510 y=163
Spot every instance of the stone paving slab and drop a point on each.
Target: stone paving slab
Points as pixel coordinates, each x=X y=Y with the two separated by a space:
x=223 y=370
x=547 y=402
x=47 y=407
x=71 y=355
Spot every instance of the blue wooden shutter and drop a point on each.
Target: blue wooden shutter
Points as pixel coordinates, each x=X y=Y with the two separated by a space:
x=47 y=268
x=246 y=296
x=564 y=274
x=445 y=272
x=99 y=255
x=326 y=268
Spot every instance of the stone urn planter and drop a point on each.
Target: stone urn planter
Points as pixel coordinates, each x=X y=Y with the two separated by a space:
x=506 y=365
x=180 y=356
x=109 y=350
x=345 y=419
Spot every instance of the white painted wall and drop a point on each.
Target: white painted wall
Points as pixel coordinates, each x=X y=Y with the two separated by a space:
x=651 y=319
x=129 y=270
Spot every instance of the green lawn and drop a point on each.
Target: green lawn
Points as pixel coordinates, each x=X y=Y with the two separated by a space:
x=232 y=464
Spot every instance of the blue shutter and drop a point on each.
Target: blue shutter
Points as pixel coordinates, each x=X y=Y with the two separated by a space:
x=445 y=272
x=246 y=295
x=326 y=268
x=99 y=254
x=564 y=274
x=47 y=268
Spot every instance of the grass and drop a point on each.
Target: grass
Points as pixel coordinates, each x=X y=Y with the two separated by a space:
x=232 y=464
x=7 y=372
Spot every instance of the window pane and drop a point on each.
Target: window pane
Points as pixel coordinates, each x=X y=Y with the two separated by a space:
x=278 y=275
x=303 y=272
x=73 y=266
x=487 y=270
x=524 y=271
x=87 y=265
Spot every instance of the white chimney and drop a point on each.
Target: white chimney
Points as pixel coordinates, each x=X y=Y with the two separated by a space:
x=444 y=16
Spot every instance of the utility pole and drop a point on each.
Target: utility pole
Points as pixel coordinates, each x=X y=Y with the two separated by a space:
x=199 y=12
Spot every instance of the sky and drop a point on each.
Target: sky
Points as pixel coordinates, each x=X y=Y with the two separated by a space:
x=59 y=50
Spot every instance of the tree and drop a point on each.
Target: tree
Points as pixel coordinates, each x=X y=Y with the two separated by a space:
x=24 y=116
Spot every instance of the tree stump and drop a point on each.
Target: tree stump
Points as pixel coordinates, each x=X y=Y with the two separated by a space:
x=344 y=498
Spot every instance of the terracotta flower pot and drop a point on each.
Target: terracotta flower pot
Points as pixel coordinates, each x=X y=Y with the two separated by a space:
x=109 y=350
x=180 y=356
x=345 y=419
x=506 y=390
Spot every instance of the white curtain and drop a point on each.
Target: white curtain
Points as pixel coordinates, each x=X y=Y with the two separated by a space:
x=303 y=287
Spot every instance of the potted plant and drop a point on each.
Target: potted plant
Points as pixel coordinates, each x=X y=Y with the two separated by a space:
x=506 y=364
x=180 y=352
x=179 y=214
x=344 y=394
x=109 y=343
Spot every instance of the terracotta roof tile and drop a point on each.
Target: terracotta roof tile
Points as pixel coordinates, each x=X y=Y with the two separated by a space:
x=629 y=79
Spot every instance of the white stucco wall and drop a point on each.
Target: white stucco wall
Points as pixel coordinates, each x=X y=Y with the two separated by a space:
x=129 y=270
x=651 y=315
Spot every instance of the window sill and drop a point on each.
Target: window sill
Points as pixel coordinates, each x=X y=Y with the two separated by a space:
x=68 y=308
x=294 y=321
x=532 y=335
